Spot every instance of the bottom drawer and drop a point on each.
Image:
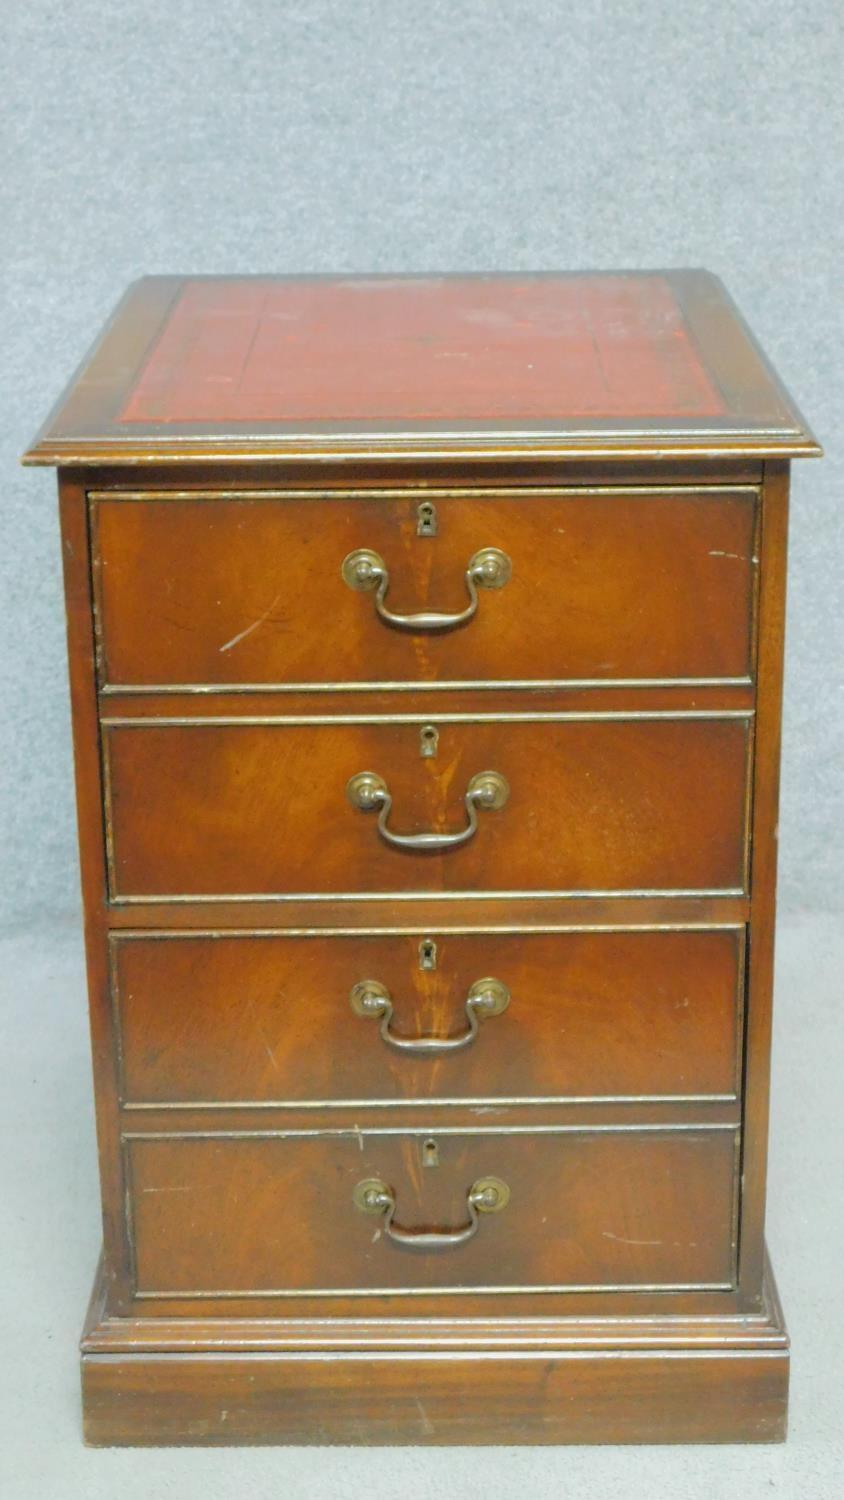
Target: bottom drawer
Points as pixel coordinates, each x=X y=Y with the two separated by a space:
x=554 y=1209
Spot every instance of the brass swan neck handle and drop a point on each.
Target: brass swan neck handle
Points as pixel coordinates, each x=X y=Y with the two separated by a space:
x=486 y=997
x=367 y=791
x=365 y=571
x=489 y=1195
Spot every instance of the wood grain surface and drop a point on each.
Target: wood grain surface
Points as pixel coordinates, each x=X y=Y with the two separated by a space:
x=594 y=1208
x=618 y=805
x=215 y=589
x=244 y=1018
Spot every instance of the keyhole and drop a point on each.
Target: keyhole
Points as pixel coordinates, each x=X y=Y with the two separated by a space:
x=426 y=519
x=427 y=954
x=428 y=738
x=430 y=1154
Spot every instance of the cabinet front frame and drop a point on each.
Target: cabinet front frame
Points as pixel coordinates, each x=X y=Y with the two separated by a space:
x=74 y=485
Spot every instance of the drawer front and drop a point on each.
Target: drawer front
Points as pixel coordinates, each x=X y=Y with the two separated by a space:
x=610 y=585
x=605 y=804
x=600 y=1208
x=615 y=1015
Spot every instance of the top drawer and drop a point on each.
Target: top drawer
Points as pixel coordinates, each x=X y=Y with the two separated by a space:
x=247 y=588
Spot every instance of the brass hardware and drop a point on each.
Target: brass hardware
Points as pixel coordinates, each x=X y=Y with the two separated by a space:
x=427 y=954
x=488 y=1195
x=426 y=518
x=488 y=790
x=365 y=570
x=430 y=1154
x=486 y=997
x=371 y=1196
x=366 y=790
x=429 y=737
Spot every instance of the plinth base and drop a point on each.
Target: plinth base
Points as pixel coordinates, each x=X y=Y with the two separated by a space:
x=675 y=1380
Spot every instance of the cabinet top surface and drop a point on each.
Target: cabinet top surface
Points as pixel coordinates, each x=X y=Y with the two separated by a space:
x=267 y=367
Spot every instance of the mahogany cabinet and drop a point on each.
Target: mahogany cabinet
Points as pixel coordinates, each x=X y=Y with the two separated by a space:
x=425 y=650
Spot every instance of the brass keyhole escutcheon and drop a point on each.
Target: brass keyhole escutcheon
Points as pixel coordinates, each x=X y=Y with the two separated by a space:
x=427 y=954
x=429 y=736
x=426 y=518
x=430 y=1153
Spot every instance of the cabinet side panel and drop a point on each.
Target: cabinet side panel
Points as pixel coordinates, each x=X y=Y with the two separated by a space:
x=76 y=561
x=772 y=561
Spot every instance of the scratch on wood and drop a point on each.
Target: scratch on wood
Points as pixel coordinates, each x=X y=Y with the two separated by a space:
x=236 y=639
x=427 y=1424
x=264 y=1038
x=623 y=1239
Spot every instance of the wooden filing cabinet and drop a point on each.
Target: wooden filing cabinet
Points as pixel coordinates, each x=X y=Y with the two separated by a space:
x=425 y=649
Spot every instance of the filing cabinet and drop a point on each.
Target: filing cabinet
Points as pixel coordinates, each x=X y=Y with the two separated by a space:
x=425 y=650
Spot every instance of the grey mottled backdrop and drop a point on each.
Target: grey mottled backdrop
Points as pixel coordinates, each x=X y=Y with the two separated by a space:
x=264 y=135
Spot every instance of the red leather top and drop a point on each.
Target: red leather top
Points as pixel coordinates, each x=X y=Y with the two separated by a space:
x=456 y=349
